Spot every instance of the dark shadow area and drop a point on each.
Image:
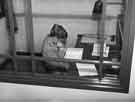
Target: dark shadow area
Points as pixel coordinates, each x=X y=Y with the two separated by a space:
x=7 y=65
x=42 y=67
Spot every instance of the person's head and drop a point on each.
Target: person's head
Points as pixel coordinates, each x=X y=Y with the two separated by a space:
x=59 y=32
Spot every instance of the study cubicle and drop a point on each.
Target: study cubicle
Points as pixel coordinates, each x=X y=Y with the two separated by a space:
x=91 y=49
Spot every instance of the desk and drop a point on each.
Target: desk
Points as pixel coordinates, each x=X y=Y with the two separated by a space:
x=87 y=55
x=114 y=53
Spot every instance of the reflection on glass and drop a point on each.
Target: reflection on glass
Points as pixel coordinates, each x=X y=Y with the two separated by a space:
x=87 y=46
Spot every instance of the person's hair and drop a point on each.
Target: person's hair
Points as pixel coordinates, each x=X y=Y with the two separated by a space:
x=58 y=31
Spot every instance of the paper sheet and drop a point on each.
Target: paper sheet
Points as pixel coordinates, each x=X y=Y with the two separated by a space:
x=115 y=67
x=74 y=53
x=96 y=50
x=86 y=69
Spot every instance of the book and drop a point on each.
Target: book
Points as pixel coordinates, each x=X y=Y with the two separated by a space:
x=86 y=69
x=83 y=68
x=96 y=50
x=74 y=53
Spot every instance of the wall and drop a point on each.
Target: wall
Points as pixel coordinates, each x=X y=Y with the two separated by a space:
x=42 y=25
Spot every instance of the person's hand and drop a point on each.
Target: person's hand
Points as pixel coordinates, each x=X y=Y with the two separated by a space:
x=59 y=44
x=64 y=65
x=62 y=52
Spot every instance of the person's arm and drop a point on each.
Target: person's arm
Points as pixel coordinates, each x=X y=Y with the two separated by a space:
x=60 y=64
x=61 y=49
x=49 y=48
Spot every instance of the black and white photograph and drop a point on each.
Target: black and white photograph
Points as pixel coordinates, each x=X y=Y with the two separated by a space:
x=67 y=50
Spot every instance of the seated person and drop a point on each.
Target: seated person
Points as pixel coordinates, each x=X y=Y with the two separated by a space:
x=54 y=46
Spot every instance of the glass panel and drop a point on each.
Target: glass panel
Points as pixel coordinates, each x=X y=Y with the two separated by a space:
x=21 y=37
x=83 y=41
x=4 y=41
x=73 y=19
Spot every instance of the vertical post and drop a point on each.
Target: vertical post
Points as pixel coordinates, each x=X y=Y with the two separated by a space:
x=11 y=25
x=101 y=28
x=28 y=24
x=128 y=42
x=29 y=30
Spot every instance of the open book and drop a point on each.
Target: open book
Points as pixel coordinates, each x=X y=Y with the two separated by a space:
x=86 y=69
x=74 y=53
x=83 y=69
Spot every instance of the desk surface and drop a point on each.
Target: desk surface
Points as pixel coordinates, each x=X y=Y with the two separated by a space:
x=114 y=51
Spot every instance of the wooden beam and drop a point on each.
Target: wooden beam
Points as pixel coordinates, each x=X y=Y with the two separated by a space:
x=59 y=81
x=29 y=30
x=64 y=16
x=128 y=42
x=101 y=28
x=5 y=56
x=29 y=25
x=10 y=19
x=67 y=60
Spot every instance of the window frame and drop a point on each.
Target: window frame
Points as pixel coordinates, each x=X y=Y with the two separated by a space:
x=63 y=81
